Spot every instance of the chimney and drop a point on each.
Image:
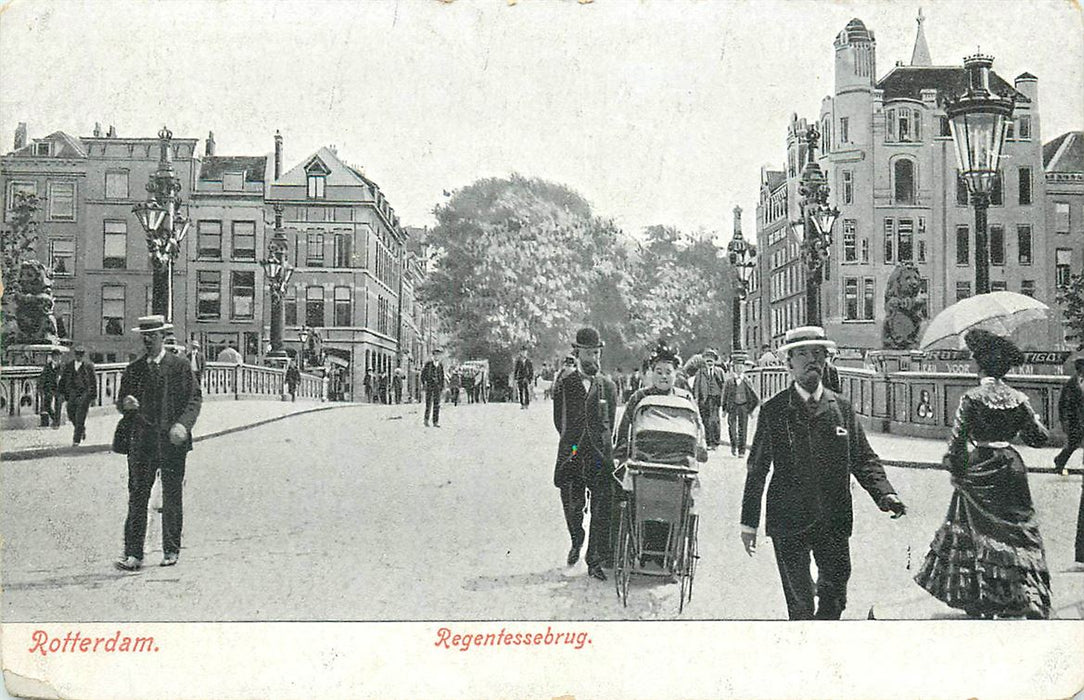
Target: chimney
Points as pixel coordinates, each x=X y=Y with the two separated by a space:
x=20 y=136
x=97 y=130
x=209 y=149
x=112 y=133
x=278 y=154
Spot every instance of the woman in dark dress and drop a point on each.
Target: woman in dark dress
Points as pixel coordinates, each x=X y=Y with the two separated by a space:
x=987 y=558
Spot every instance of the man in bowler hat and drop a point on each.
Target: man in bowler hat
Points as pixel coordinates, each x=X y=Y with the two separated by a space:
x=433 y=379
x=584 y=408
x=808 y=437
x=160 y=398
x=79 y=387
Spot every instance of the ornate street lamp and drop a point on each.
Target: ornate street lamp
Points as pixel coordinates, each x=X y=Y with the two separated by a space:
x=163 y=225
x=303 y=336
x=978 y=118
x=817 y=222
x=278 y=270
x=742 y=257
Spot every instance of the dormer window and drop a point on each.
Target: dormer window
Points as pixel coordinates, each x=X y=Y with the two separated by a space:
x=317 y=185
x=41 y=148
x=233 y=182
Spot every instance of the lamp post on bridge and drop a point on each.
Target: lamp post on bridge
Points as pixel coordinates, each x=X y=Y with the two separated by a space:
x=978 y=120
x=742 y=257
x=817 y=222
x=278 y=270
x=163 y=225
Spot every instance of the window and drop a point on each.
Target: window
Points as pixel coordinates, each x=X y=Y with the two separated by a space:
x=826 y=135
x=997 y=244
x=343 y=249
x=62 y=257
x=890 y=125
x=314 y=306
x=26 y=186
x=314 y=249
x=996 y=195
x=1023 y=131
x=233 y=182
x=904 y=176
x=889 y=242
x=963 y=245
x=1063 y=261
x=945 y=129
x=963 y=290
x=850 y=299
x=1023 y=244
x=921 y=251
x=116 y=184
x=923 y=298
x=961 y=191
x=850 y=247
x=244 y=240
x=61 y=201
x=41 y=148
x=209 y=240
x=62 y=310
x=1024 y=185
x=112 y=310
x=208 y=295
x=848 y=187
x=868 y=295
x=290 y=306
x=317 y=183
x=115 y=247
x=844 y=130
x=1027 y=287
x=904 y=122
x=998 y=285
x=342 y=306
x=243 y=288
x=1061 y=217
x=1010 y=132
x=905 y=247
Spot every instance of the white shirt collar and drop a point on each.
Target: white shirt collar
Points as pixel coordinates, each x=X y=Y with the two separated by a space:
x=158 y=359
x=817 y=394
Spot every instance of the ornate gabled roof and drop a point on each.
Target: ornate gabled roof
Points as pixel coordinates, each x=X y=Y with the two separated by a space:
x=910 y=81
x=1065 y=154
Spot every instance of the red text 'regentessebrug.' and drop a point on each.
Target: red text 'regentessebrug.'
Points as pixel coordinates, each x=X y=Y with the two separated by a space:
x=447 y=639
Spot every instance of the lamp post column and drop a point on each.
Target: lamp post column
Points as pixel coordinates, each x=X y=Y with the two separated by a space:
x=278 y=270
x=981 y=201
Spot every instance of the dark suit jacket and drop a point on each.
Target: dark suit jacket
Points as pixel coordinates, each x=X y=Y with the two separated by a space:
x=79 y=385
x=584 y=419
x=708 y=383
x=524 y=370
x=811 y=459
x=49 y=378
x=201 y=361
x=181 y=397
x=1071 y=410
x=730 y=394
x=433 y=376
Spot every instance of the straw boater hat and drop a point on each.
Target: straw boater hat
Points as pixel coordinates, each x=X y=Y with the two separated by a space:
x=709 y=352
x=804 y=336
x=150 y=324
x=587 y=338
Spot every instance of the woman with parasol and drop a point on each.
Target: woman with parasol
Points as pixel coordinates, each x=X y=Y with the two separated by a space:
x=987 y=558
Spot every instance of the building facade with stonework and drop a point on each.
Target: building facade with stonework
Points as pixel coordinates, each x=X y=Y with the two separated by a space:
x=346 y=244
x=1063 y=164
x=889 y=157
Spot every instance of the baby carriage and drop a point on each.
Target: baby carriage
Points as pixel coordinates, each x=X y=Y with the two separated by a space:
x=656 y=535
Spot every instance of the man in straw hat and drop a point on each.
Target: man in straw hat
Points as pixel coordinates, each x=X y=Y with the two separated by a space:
x=161 y=399
x=808 y=437
x=584 y=408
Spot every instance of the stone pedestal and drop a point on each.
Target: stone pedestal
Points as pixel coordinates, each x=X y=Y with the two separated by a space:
x=30 y=355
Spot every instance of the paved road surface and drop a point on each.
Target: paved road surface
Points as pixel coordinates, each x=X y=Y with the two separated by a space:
x=362 y=514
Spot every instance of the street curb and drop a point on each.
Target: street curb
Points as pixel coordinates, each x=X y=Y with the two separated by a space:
x=40 y=452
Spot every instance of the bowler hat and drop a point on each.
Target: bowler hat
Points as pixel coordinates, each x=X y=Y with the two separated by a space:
x=710 y=353
x=805 y=336
x=587 y=337
x=150 y=324
x=79 y=348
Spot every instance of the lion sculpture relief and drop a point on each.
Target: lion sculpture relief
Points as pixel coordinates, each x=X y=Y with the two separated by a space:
x=34 y=305
x=904 y=311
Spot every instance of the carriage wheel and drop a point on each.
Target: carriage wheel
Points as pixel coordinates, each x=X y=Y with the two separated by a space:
x=623 y=563
x=689 y=557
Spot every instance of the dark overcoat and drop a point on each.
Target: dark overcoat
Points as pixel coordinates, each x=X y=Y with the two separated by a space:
x=181 y=397
x=811 y=459
x=78 y=385
x=1071 y=410
x=585 y=420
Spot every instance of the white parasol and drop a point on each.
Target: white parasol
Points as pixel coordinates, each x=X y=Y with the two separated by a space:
x=1001 y=313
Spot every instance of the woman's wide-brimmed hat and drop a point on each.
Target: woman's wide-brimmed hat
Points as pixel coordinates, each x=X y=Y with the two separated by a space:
x=587 y=338
x=804 y=336
x=982 y=342
x=150 y=324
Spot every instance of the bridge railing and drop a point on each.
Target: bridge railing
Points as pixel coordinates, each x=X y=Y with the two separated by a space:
x=21 y=402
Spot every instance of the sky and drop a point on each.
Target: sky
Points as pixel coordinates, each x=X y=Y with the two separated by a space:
x=657 y=112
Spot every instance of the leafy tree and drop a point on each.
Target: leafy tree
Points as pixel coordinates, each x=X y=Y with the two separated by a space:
x=18 y=242
x=1071 y=297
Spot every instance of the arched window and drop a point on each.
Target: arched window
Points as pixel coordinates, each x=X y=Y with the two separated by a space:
x=903 y=177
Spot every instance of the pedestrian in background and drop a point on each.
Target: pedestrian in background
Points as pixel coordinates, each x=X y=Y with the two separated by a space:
x=160 y=400
x=708 y=392
x=196 y=360
x=1071 y=415
x=78 y=386
x=454 y=380
x=987 y=558
x=368 y=384
x=397 y=384
x=767 y=357
x=739 y=400
x=831 y=375
x=229 y=355
x=293 y=378
x=48 y=381
x=809 y=439
x=433 y=379
x=523 y=371
x=584 y=407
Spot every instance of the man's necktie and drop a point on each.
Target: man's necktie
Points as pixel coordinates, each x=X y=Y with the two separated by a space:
x=811 y=404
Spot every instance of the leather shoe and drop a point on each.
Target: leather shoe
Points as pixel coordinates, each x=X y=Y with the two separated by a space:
x=595 y=571
x=573 y=556
x=129 y=564
x=169 y=560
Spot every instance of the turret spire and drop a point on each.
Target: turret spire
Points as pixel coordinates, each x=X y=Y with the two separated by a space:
x=921 y=55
